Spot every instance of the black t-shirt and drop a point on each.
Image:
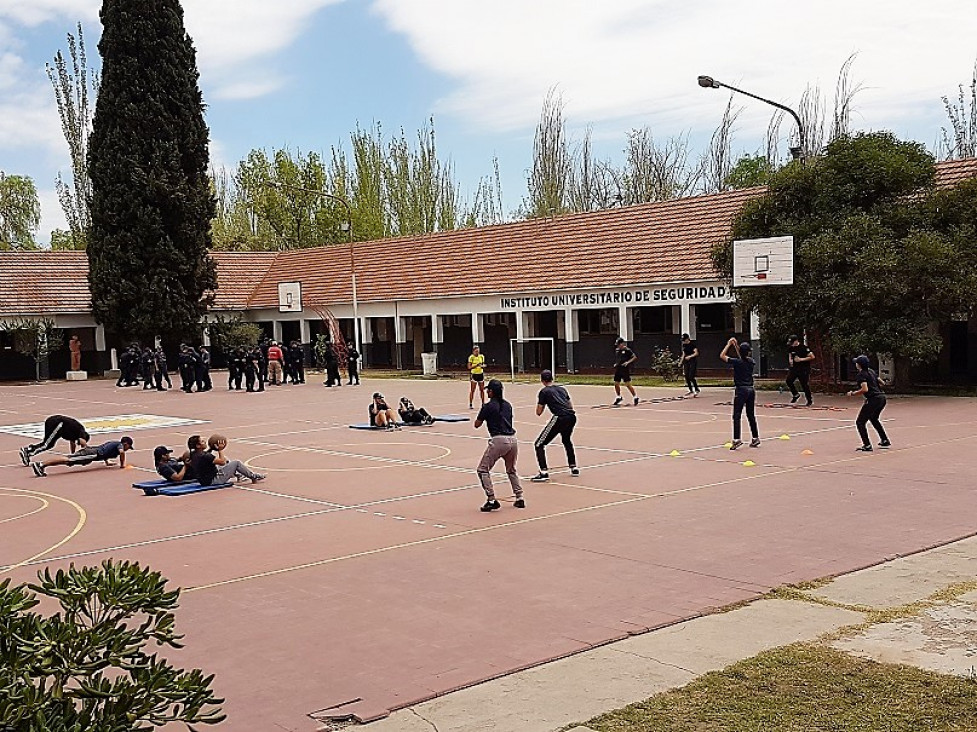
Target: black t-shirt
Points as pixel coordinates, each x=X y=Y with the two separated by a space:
x=742 y=370
x=869 y=377
x=203 y=466
x=557 y=399
x=497 y=415
x=688 y=349
x=623 y=356
x=800 y=351
x=108 y=450
x=170 y=468
x=71 y=428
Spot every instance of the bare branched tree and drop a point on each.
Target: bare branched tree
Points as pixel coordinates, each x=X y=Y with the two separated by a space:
x=773 y=139
x=845 y=92
x=550 y=177
x=717 y=162
x=75 y=91
x=486 y=205
x=654 y=172
x=811 y=110
x=960 y=141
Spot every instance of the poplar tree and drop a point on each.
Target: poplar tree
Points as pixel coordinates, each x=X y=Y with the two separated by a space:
x=152 y=202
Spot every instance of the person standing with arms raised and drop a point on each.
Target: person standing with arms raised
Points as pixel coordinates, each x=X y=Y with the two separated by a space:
x=745 y=393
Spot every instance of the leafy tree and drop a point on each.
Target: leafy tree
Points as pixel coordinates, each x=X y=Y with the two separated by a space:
x=552 y=171
x=73 y=88
x=20 y=212
x=152 y=203
x=35 y=337
x=750 y=170
x=86 y=666
x=234 y=332
x=878 y=257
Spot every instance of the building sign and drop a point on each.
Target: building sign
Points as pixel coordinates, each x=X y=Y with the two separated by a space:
x=638 y=298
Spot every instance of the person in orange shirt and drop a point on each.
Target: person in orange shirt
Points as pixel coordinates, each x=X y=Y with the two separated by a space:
x=275 y=359
x=74 y=345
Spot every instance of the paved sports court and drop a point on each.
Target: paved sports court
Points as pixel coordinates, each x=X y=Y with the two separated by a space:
x=360 y=577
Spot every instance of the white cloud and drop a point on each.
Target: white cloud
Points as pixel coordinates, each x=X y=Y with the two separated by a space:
x=52 y=215
x=637 y=60
x=35 y=12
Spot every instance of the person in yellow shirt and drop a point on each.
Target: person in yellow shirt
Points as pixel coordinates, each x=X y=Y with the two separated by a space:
x=476 y=368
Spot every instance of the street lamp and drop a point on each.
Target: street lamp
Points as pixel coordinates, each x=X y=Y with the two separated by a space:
x=346 y=226
x=797 y=152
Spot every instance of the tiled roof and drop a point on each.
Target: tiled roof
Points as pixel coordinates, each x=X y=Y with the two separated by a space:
x=655 y=242
x=951 y=172
x=42 y=283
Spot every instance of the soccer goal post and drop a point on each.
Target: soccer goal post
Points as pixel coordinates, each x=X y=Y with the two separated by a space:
x=518 y=358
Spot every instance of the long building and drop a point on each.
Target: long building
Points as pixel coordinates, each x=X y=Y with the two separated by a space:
x=557 y=289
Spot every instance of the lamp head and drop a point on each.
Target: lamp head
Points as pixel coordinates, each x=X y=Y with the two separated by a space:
x=707 y=82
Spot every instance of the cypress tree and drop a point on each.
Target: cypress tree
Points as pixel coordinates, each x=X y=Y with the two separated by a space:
x=152 y=204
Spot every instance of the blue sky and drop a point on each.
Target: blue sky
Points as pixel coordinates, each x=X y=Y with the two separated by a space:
x=302 y=73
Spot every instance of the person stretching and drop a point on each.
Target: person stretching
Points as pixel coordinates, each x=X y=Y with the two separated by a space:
x=87 y=455
x=745 y=393
x=564 y=419
x=868 y=386
x=57 y=427
x=496 y=414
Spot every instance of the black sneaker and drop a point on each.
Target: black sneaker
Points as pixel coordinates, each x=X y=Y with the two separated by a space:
x=540 y=478
x=25 y=456
x=490 y=506
x=864 y=448
x=636 y=400
x=574 y=471
x=258 y=477
x=885 y=443
x=38 y=470
x=809 y=403
x=618 y=401
x=519 y=503
x=736 y=444
x=755 y=442
x=794 y=398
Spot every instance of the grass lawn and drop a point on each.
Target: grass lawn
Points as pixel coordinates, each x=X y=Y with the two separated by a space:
x=804 y=688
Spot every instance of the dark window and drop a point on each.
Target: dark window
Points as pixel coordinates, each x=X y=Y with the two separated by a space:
x=597 y=322
x=652 y=320
x=714 y=318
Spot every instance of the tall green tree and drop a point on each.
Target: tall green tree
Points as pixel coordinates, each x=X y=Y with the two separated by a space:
x=20 y=212
x=879 y=254
x=152 y=200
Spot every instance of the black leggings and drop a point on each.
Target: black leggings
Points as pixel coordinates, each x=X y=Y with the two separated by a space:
x=690 y=368
x=562 y=426
x=804 y=376
x=870 y=412
x=745 y=397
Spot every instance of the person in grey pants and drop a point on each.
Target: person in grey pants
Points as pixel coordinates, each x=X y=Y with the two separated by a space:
x=496 y=414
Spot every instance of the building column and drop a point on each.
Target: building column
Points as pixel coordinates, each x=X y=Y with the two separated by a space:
x=366 y=337
x=305 y=333
x=755 y=341
x=400 y=340
x=625 y=323
x=478 y=329
x=276 y=331
x=518 y=355
x=437 y=333
x=572 y=334
x=100 y=338
x=687 y=319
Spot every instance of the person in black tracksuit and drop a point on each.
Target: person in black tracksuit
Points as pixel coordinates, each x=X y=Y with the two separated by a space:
x=869 y=385
x=252 y=370
x=564 y=419
x=353 y=365
x=333 y=376
x=203 y=370
x=162 y=370
x=187 y=364
x=800 y=357
x=57 y=427
x=745 y=393
x=128 y=363
x=236 y=368
x=690 y=364
x=296 y=359
x=147 y=364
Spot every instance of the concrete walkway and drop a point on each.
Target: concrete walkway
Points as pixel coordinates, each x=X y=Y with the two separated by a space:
x=919 y=610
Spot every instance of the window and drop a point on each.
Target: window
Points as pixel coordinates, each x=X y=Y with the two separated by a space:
x=652 y=320
x=597 y=322
x=714 y=318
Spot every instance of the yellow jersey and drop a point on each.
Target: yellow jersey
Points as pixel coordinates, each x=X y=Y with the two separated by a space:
x=476 y=364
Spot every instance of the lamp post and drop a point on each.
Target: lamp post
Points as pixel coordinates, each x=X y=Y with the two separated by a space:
x=346 y=226
x=797 y=153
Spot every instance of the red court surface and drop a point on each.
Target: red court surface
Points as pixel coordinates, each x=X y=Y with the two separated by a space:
x=360 y=577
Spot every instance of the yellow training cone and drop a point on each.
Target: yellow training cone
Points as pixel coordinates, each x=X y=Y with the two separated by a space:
x=728 y=445
x=807 y=452
x=784 y=437
x=674 y=453
x=749 y=464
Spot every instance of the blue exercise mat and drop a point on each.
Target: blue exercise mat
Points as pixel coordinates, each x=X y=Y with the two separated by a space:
x=453 y=418
x=368 y=426
x=442 y=418
x=182 y=490
x=161 y=483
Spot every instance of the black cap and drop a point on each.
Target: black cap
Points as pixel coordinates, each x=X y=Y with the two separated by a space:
x=160 y=452
x=377 y=395
x=685 y=337
x=745 y=346
x=791 y=339
x=496 y=386
x=126 y=439
x=862 y=361
x=619 y=341
x=547 y=375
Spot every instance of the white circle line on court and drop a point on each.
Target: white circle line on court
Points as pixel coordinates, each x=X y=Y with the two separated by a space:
x=44 y=504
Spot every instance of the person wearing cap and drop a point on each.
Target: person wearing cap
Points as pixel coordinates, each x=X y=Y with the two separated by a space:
x=869 y=386
x=87 y=455
x=624 y=357
x=209 y=465
x=745 y=394
x=170 y=468
x=690 y=364
x=476 y=371
x=496 y=414
x=564 y=419
x=275 y=358
x=57 y=427
x=381 y=415
x=409 y=414
x=800 y=357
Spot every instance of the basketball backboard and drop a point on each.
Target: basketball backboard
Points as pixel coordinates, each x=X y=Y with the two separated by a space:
x=290 y=297
x=759 y=262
